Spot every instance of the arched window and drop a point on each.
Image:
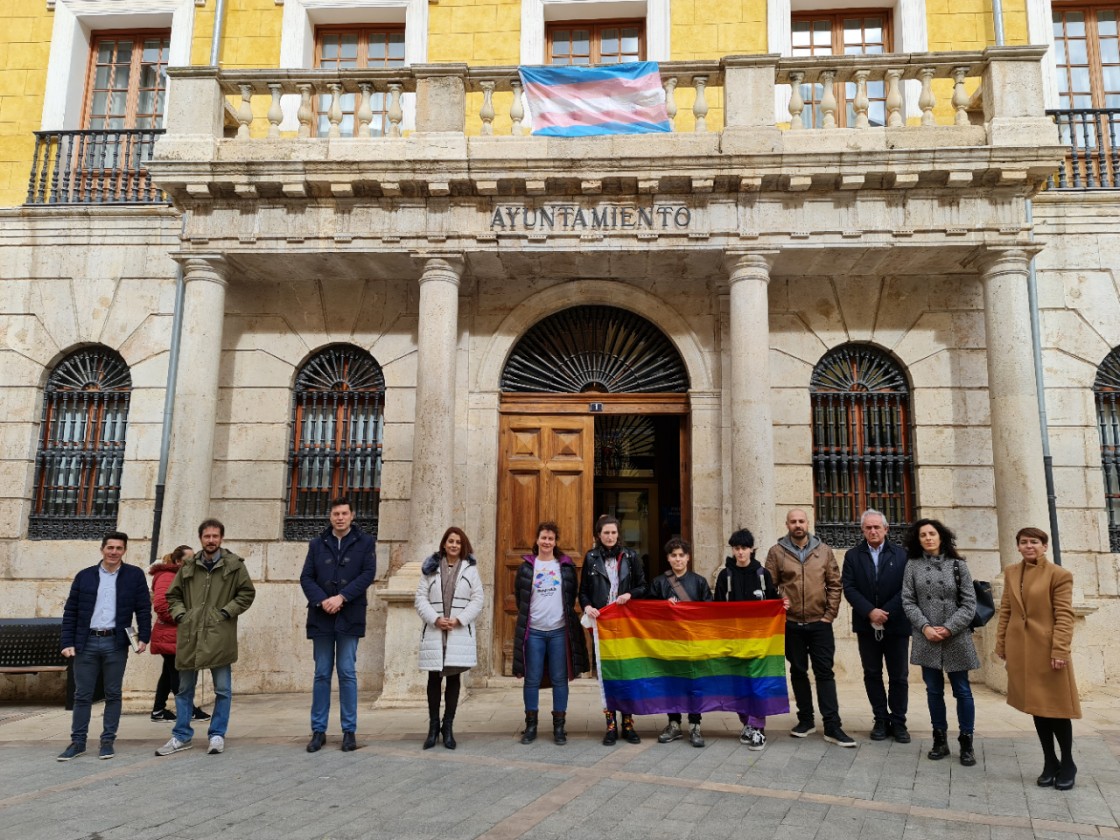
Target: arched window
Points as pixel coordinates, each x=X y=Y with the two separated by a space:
x=1106 y=390
x=81 y=447
x=862 y=457
x=337 y=423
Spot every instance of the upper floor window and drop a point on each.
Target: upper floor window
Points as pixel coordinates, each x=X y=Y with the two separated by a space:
x=595 y=42
x=81 y=447
x=1106 y=391
x=862 y=455
x=357 y=47
x=128 y=80
x=337 y=422
x=866 y=32
x=1087 y=56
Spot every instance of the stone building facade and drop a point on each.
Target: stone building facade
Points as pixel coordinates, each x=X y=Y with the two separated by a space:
x=817 y=291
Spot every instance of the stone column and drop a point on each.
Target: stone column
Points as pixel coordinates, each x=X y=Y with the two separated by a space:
x=430 y=498
x=752 y=433
x=191 y=452
x=1016 y=429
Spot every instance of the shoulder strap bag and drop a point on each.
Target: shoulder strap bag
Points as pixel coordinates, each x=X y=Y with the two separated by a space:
x=985 y=603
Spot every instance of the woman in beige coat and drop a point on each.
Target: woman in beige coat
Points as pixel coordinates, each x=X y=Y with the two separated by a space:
x=1034 y=638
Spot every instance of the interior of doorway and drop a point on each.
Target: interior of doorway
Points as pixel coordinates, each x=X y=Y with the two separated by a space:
x=638 y=471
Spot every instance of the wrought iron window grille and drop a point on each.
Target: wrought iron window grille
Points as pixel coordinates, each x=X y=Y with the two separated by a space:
x=1106 y=393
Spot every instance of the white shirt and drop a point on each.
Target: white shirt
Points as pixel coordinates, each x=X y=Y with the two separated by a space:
x=546 y=605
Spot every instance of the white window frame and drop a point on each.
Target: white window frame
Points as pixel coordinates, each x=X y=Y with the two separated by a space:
x=297 y=38
x=535 y=14
x=1040 y=32
x=76 y=22
x=908 y=19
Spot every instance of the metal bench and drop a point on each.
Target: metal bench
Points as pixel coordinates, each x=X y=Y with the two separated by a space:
x=31 y=645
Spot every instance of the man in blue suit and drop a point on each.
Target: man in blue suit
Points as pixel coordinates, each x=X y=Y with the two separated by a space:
x=872 y=581
x=103 y=600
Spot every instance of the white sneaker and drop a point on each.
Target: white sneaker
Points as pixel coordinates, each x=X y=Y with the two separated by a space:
x=217 y=745
x=745 y=735
x=757 y=741
x=173 y=746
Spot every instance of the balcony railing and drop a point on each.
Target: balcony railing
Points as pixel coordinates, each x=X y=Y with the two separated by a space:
x=1093 y=158
x=93 y=167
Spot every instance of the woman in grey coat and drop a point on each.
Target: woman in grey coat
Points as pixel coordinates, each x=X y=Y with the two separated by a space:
x=939 y=601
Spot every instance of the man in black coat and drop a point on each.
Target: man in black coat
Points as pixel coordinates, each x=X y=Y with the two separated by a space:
x=872 y=581
x=102 y=602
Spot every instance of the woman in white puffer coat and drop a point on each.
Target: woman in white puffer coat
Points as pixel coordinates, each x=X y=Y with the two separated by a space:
x=449 y=600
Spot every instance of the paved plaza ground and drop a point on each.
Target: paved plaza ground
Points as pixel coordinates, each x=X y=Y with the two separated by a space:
x=267 y=786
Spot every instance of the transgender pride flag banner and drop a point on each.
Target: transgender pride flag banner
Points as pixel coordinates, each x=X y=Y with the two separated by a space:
x=582 y=101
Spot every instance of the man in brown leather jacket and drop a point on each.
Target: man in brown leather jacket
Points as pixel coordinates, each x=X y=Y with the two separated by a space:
x=806 y=573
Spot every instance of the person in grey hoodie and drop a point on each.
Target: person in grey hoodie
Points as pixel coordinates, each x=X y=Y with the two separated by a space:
x=806 y=573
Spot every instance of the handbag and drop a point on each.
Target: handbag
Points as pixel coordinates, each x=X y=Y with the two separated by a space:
x=985 y=603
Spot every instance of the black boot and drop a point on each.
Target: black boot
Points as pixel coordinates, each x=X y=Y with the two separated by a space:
x=433 y=733
x=1067 y=774
x=628 y=732
x=940 y=747
x=448 y=735
x=968 y=757
x=558 y=733
x=530 y=733
x=610 y=738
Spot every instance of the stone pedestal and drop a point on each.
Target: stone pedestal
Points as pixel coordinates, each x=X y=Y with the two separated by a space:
x=430 y=501
x=752 y=433
x=191 y=453
x=1020 y=485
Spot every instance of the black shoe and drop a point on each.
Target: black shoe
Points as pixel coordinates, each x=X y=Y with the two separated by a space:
x=968 y=757
x=317 y=741
x=106 y=752
x=1067 y=775
x=628 y=732
x=803 y=729
x=530 y=733
x=160 y=715
x=433 y=733
x=835 y=735
x=940 y=747
x=198 y=714
x=900 y=733
x=880 y=731
x=75 y=749
x=559 y=735
x=448 y=734
x=610 y=737
x=349 y=742
x=1049 y=774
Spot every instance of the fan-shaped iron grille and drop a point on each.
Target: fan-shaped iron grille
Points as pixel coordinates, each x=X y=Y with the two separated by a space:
x=1106 y=392
x=337 y=425
x=595 y=349
x=624 y=445
x=81 y=447
x=862 y=456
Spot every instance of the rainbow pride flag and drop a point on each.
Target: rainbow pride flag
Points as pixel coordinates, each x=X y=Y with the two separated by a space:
x=691 y=657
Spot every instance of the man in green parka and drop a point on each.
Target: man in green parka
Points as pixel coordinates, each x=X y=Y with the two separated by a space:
x=208 y=594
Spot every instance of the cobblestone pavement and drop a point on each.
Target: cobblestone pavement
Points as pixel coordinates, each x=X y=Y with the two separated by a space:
x=267 y=786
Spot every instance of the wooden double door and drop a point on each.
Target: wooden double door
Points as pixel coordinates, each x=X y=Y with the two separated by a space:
x=547 y=472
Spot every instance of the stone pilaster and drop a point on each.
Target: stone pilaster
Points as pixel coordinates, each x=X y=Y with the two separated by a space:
x=430 y=500
x=191 y=452
x=752 y=434
x=1020 y=485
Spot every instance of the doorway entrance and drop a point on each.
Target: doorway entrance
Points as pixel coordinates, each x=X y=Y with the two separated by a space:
x=594 y=420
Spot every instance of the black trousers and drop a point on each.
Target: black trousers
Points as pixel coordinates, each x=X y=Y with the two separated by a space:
x=890 y=703
x=812 y=643
x=168 y=683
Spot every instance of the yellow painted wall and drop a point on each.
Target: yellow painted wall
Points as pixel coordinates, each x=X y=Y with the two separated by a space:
x=25 y=36
x=968 y=24
x=250 y=34
x=475 y=31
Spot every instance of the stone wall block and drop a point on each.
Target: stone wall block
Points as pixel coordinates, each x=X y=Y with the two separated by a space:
x=956 y=486
x=248 y=521
x=29 y=337
x=817 y=306
x=1066 y=330
x=440 y=99
x=150 y=372
x=789 y=334
x=931 y=333
x=284 y=560
x=791 y=406
x=276 y=335
x=248 y=479
x=252 y=442
x=21 y=404
x=1070 y=406
x=19 y=441
x=16 y=372
x=253 y=405
x=903 y=300
x=933 y=406
x=941 y=446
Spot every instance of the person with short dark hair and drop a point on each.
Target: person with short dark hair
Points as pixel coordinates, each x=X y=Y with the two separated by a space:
x=340 y=566
x=210 y=592
x=678 y=584
x=612 y=574
x=872 y=579
x=449 y=599
x=743 y=578
x=99 y=610
x=1035 y=639
x=940 y=601
x=548 y=631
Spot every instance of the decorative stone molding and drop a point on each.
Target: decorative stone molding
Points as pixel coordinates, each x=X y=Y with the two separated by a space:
x=211 y=268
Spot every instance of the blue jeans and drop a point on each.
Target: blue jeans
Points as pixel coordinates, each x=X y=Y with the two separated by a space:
x=100 y=655
x=935 y=696
x=184 y=703
x=550 y=645
x=340 y=651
